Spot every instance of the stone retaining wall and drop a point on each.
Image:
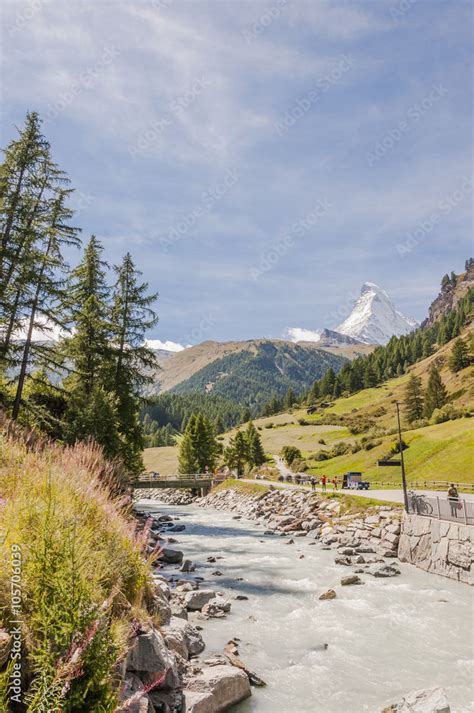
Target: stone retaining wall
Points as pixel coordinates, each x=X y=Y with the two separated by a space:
x=445 y=548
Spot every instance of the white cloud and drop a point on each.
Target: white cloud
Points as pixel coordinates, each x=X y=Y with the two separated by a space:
x=167 y=346
x=298 y=334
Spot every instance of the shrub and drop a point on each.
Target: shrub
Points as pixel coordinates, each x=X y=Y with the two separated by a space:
x=420 y=423
x=322 y=441
x=290 y=454
x=303 y=422
x=321 y=455
x=269 y=425
x=339 y=449
x=396 y=447
x=372 y=444
x=83 y=571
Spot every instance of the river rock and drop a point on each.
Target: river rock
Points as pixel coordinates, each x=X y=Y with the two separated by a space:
x=386 y=570
x=169 y=556
x=178 y=608
x=149 y=656
x=159 y=605
x=187 y=566
x=351 y=579
x=428 y=700
x=194 y=601
x=176 y=528
x=343 y=560
x=216 y=689
x=330 y=594
x=182 y=637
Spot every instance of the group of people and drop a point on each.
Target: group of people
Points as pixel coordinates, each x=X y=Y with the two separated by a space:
x=324 y=481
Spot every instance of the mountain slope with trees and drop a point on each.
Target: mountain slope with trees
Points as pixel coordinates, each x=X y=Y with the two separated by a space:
x=253 y=375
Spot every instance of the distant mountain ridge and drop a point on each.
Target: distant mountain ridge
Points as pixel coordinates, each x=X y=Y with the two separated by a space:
x=374 y=318
x=250 y=372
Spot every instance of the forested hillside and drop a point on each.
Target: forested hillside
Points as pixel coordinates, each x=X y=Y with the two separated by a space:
x=251 y=377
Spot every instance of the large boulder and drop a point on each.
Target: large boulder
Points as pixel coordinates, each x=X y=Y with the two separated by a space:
x=216 y=689
x=194 y=601
x=428 y=700
x=169 y=556
x=183 y=637
x=351 y=579
x=149 y=656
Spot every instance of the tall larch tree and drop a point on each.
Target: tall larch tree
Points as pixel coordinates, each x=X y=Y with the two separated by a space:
x=435 y=395
x=132 y=317
x=414 y=398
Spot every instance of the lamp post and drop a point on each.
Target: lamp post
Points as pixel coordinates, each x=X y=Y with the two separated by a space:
x=402 y=461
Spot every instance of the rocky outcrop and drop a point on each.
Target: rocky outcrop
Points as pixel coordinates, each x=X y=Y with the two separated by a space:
x=149 y=657
x=451 y=292
x=216 y=688
x=432 y=700
x=445 y=548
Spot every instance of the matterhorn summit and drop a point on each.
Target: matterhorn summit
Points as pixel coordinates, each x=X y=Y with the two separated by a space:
x=374 y=318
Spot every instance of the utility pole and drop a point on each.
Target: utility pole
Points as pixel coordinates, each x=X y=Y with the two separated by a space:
x=402 y=461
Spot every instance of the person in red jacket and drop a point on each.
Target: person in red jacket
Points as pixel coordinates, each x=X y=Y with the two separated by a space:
x=324 y=480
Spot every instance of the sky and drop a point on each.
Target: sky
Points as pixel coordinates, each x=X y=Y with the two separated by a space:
x=261 y=160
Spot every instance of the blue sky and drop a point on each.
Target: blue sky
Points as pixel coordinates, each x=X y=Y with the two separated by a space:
x=261 y=160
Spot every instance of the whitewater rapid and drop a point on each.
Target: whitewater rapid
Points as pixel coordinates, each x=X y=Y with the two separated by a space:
x=384 y=638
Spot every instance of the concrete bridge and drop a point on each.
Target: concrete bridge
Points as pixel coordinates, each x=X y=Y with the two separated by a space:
x=198 y=483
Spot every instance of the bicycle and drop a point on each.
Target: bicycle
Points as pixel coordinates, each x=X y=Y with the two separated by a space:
x=419 y=504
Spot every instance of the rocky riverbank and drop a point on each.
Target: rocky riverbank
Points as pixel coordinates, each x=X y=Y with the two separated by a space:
x=162 y=671
x=364 y=543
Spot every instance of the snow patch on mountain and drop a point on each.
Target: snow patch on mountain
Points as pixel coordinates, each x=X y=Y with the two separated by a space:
x=374 y=318
x=299 y=334
x=167 y=345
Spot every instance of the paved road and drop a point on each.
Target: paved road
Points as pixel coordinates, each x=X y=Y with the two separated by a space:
x=391 y=496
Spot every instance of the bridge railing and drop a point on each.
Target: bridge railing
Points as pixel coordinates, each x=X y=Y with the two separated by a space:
x=460 y=511
x=150 y=478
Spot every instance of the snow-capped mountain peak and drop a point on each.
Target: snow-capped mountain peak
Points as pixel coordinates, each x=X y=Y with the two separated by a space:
x=374 y=318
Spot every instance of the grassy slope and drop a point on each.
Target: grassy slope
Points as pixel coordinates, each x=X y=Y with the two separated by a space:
x=163 y=460
x=441 y=452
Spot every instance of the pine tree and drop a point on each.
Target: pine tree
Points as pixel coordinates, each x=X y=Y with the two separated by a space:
x=315 y=391
x=131 y=317
x=255 y=452
x=18 y=173
x=199 y=449
x=92 y=402
x=48 y=292
x=326 y=384
x=236 y=453
x=414 y=398
x=435 y=395
x=290 y=399
x=187 y=460
x=370 y=378
x=459 y=358
x=89 y=347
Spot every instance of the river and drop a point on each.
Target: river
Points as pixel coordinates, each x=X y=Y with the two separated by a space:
x=383 y=639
